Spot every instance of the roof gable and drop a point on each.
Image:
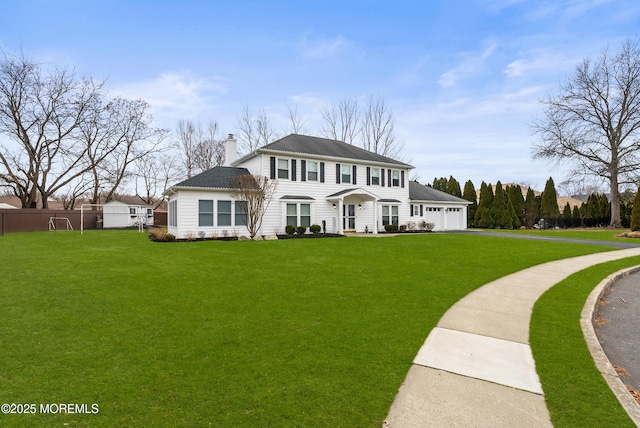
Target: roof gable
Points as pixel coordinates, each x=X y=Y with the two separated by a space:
x=419 y=192
x=305 y=144
x=220 y=177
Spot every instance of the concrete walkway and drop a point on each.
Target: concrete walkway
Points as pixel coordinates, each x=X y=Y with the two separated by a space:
x=476 y=368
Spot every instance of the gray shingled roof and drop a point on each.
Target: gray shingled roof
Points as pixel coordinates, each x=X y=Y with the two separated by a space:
x=306 y=144
x=420 y=192
x=220 y=177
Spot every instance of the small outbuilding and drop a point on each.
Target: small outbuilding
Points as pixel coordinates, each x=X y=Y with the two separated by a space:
x=118 y=214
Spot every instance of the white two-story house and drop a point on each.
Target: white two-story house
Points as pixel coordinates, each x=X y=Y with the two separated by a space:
x=336 y=185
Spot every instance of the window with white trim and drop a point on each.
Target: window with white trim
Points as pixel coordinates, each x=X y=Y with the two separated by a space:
x=240 y=208
x=395 y=178
x=283 y=168
x=298 y=214
x=389 y=214
x=205 y=213
x=224 y=213
x=312 y=171
x=173 y=213
x=345 y=173
x=375 y=176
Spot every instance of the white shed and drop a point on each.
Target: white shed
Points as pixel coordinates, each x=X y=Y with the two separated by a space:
x=118 y=214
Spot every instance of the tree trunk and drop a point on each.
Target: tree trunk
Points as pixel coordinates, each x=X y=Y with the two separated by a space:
x=615 y=202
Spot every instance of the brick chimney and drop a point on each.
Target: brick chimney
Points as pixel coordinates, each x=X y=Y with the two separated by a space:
x=230 y=150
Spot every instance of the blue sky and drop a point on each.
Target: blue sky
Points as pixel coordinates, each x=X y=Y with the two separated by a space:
x=464 y=78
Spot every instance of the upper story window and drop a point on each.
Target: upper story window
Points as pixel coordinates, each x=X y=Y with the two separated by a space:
x=375 y=176
x=395 y=178
x=283 y=168
x=345 y=173
x=312 y=171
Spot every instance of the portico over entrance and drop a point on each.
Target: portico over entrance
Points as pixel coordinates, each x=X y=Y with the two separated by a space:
x=355 y=210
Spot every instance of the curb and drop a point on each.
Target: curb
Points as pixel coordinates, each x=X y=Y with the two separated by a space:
x=603 y=364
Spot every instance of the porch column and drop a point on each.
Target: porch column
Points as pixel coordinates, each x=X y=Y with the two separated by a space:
x=339 y=215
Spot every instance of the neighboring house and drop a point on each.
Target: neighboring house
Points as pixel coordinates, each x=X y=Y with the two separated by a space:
x=319 y=181
x=118 y=214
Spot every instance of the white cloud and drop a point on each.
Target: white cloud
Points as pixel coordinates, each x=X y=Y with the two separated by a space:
x=324 y=48
x=175 y=94
x=470 y=64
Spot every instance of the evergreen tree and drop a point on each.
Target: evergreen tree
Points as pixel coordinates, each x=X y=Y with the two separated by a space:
x=483 y=217
x=576 y=220
x=514 y=193
x=515 y=220
x=549 y=201
x=604 y=209
x=635 y=213
x=453 y=187
x=470 y=195
x=440 y=184
x=501 y=217
x=531 y=208
x=566 y=215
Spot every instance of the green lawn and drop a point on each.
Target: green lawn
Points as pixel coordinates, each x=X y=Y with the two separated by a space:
x=233 y=334
x=576 y=393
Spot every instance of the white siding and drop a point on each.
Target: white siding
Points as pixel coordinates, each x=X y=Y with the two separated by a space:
x=318 y=195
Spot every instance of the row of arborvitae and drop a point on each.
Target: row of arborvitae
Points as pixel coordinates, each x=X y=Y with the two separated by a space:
x=507 y=208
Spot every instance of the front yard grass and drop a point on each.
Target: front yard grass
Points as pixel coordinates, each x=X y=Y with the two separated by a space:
x=244 y=334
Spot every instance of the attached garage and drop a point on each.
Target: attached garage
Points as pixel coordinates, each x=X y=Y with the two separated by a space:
x=444 y=211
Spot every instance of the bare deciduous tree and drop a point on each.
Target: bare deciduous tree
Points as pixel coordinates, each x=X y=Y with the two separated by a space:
x=153 y=175
x=256 y=192
x=296 y=121
x=255 y=132
x=342 y=121
x=209 y=151
x=131 y=137
x=378 y=129
x=594 y=121
x=40 y=113
x=201 y=149
x=187 y=142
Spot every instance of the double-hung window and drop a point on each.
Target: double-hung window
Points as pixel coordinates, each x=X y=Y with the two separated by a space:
x=389 y=214
x=224 y=213
x=345 y=173
x=299 y=214
x=240 y=213
x=283 y=168
x=205 y=213
x=375 y=176
x=395 y=178
x=312 y=171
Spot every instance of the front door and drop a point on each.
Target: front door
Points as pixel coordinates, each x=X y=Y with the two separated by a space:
x=348 y=217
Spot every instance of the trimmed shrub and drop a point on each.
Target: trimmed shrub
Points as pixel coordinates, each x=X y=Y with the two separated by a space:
x=391 y=227
x=301 y=230
x=315 y=228
x=169 y=237
x=290 y=229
